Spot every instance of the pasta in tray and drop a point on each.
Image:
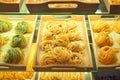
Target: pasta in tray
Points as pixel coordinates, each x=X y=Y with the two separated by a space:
x=56 y=27
x=47 y=45
x=14 y=56
x=76 y=58
x=23 y=27
x=104 y=39
x=76 y=46
x=62 y=43
x=62 y=54
x=19 y=41
x=74 y=35
x=5 y=26
x=71 y=25
x=107 y=55
x=48 y=35
x=101 y=25
x=62 y=40
x=47 y=59
x=16 y=75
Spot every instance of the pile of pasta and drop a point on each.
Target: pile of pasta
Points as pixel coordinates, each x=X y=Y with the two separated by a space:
x=62 y=43
x=16 y=75
x=12 y=46
x=115 y=1
x=104 y=40
x=61 y=76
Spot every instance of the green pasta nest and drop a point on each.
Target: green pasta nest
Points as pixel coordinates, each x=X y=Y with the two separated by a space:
x=5 y=26
x=22 y=27
x=19 y=41
x=13 y=56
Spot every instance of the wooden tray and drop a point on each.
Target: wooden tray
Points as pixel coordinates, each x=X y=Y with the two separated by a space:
x=110 y=20
x=10 y=34
x=112 y=7
x=11 y=6
x=62 y=75
x=88 y=60
x=81 y=6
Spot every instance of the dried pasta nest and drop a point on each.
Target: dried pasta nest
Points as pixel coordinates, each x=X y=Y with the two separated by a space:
x=74 y=35
x=62 y=54
x=71 y=25
x=76 y=46
x=47 y=45
x=5 y=26
x=62 y=40
x=76 y=59
x=19 y=41
x=107 y=55
x=56 y=27
x=101 y=25
x=14 y=56
x=48 y=35
x=104 y=39
x=47 y=59
x=23 y=27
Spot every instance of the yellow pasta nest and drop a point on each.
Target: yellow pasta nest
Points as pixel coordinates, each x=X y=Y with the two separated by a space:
x=56 y=27
x=74 y=35
x=47 y=59
x=76 y=46
x=48 y=35
x=101 y=25
x=62 y=54
x=62 y=40
x=116 y=26
x=103 y=39
x=71 y=25
x=16 y=75
x=107 y=55
x=115 y=1
x=47 y=45
x=76 y=59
